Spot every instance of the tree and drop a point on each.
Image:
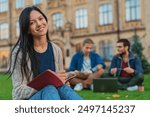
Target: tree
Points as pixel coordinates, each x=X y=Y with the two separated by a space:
x=137 y=48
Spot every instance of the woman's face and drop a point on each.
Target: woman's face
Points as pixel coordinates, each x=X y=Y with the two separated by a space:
x=38 y=25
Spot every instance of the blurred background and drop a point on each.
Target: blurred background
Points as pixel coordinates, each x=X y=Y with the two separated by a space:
x=71 y=21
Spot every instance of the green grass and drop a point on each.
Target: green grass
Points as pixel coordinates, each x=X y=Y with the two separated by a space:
x=6 y=89
x=124 y=95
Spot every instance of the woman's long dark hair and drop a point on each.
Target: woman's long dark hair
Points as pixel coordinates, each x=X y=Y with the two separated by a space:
x=25 y=42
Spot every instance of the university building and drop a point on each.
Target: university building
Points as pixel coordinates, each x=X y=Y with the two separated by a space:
x=72 y=21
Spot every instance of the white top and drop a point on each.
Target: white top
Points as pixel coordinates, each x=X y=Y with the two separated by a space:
x=86 y=65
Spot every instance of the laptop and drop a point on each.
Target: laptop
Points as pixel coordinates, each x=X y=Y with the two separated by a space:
x=105 y=85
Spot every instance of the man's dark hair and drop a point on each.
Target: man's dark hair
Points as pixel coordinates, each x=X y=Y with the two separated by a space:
x=88 y=41
x=125 y=42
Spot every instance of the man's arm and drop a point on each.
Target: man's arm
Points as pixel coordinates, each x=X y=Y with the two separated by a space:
x=113 y=67
x=136 y=69
x=73 y=64
x=138 y=66
x=100 y=62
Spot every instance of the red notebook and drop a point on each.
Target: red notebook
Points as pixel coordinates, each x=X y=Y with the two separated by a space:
x=46 y=78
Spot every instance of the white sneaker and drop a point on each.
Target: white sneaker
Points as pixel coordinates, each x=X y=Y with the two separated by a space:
x=91 y=87
x=78 y=87
x=132 y=88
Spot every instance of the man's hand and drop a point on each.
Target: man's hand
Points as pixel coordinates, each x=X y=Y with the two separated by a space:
x=113 y=71
x=88 y=72
x=129 y=70
x=81 y=75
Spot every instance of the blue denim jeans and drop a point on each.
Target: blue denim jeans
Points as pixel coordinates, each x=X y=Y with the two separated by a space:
x=52 y=93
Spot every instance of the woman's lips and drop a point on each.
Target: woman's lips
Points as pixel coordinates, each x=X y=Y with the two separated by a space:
x=40 y=29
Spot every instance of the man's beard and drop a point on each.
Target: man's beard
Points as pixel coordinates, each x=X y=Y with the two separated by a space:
x=123 y=53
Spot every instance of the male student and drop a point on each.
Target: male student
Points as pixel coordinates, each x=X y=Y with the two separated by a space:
x=87 y=65
x=127 y=67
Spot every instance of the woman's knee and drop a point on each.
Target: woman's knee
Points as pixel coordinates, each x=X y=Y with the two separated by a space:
x=64 y=88
x=49 y=88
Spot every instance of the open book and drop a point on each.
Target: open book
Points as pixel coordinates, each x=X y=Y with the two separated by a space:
x=47 y=78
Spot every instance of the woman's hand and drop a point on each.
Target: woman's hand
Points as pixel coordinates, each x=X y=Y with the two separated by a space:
x=62 y=75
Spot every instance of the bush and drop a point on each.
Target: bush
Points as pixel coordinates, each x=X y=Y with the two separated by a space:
x=137 y=48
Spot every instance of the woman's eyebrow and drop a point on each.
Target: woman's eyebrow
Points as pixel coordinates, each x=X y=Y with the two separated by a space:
x=36 y=18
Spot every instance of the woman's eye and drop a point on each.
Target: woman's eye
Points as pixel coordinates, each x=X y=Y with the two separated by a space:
x=41 y=18
x=31 y=23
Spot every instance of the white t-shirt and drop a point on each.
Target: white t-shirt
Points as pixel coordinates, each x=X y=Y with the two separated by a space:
x=86 y=65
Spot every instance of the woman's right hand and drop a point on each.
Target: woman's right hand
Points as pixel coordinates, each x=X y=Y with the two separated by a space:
x=62 y=75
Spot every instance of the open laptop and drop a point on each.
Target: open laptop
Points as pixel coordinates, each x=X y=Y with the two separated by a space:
x=105 y=85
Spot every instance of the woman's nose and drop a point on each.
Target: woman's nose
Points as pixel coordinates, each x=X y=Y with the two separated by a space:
x=38 y=23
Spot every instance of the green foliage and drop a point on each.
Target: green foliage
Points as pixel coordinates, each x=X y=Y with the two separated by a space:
x=137 y=48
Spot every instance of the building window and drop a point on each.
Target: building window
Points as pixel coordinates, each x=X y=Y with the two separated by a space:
x=4 y=31
x=57 y=20
x=106 y=50
x=67 y=52
x=17 y=29
x=19 y=4
x=133 y=9
x=81 y=19
x=3 y=5
x=105 y=14
x=36 y=2
x=4 y=55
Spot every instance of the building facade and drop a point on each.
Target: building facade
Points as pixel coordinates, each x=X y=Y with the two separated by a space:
x=72 y=21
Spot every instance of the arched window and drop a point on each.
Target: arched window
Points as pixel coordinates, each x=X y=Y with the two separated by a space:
x=57 y=20
x=106 y=50
x=109 y=50
x=19 y=4
x=105 y=14
x=36 y=2
x=133 y=10
x=4 y=31
x=81 y=18
x=3 y=5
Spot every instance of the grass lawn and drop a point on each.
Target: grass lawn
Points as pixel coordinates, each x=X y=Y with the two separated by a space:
x=6 y=89
x=123 y=95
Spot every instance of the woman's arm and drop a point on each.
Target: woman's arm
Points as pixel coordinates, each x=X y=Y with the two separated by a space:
x=58 y=58
x=20 y=88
